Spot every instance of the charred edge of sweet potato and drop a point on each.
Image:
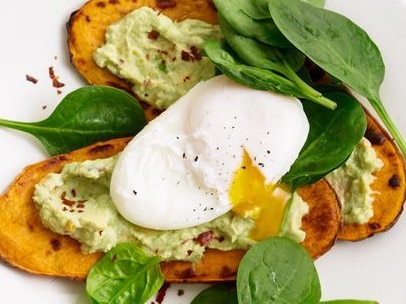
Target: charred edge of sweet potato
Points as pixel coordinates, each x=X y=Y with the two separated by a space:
x=26 y=244
x=389 y=185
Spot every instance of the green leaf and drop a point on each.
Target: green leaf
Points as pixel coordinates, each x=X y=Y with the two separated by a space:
x=217 y=294
x=338 y=46
x=262 y=79
x=349 y=301
x=262 y=30
x=124 y=275
x=318 y=3
x=332 y=137
x=260 y=55
x=85 y=116
x=278 y=271
x=333 y=42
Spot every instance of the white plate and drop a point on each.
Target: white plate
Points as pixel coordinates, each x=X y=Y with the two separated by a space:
x=33 y=38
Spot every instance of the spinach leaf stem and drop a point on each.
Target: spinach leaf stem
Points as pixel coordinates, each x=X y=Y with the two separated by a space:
x=307 y=90
x=384 y=116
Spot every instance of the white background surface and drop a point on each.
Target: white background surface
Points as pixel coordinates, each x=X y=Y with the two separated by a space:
x=33 y=38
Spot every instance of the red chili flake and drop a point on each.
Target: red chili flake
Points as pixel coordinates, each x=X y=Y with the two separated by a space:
x=162 y=293
x=205 y=238
x=186 y=78
x=66 y=201
x=153 y=35
x=31 y=79
x=195 y=53
x=163 y=4
x=185 y=56
x=74 y=205
x=55 y=82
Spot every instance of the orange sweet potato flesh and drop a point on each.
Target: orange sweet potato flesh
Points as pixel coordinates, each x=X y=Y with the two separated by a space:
x=389 y=186
x=26 y=244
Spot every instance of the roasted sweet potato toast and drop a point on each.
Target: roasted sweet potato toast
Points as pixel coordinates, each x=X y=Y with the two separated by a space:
x=389 y=186
x=26 y=244
x=86 y=29
x=87 y=26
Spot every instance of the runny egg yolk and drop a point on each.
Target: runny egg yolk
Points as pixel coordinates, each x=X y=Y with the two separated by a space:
x=251 y=196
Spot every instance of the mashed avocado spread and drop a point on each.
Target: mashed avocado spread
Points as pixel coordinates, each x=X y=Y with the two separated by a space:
x=352 y=183
x=160 y=57
x=76 y=202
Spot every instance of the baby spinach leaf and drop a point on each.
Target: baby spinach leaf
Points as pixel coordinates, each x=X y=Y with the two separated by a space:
x=340 y=47
x=259 y=10
x=124 y=275
x=262 y=79
x=333 y=42
x=349 y=301
x=258 y=54
x=253 y=77
x=85 y=116
x=331 y=139
x=318 y=3
x=217 y=294
x=277 y=270
x=262 y=30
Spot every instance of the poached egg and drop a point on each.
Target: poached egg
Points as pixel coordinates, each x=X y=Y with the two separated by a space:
x=221 y=147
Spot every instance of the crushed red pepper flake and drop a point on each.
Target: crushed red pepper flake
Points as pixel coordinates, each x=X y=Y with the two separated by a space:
x=55 y=79
x=31 y=79
x=153 y=35
x=205 y=238
x=73 y=205
x=192 y=55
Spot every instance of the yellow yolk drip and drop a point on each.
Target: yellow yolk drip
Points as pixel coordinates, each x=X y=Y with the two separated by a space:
x=251 y=196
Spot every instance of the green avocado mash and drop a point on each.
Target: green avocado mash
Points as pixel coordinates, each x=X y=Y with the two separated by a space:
x=352 y=183
x=77 y=203
x=160 y=57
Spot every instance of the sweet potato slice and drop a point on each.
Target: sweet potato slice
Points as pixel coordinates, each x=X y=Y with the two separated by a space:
x=86 y=29
x=26 y=244
x=87 y=26
x=389 y=186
